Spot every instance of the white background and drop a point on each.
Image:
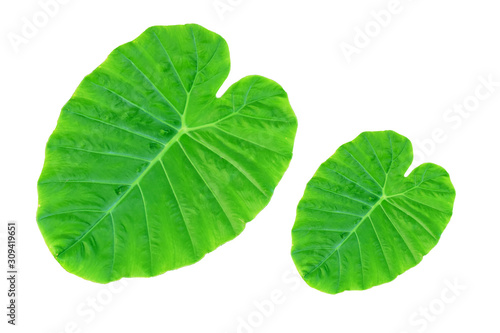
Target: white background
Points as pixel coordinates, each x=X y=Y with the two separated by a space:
x=429 y=58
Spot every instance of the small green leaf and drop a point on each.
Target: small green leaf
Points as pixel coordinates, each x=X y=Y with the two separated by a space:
x=147 y=171
x=361 y=223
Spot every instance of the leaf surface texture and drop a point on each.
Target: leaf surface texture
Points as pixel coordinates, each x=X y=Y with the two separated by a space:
x=361 y=222
x=147 y=170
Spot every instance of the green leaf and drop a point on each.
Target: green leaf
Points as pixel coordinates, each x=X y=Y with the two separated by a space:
x=147 y=170
x=361 y=222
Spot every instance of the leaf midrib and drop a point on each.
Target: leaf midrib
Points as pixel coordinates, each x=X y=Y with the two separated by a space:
x=379 y=202
x=175 y=139
x=353 y=231
x=153 y=162
x=381 y=198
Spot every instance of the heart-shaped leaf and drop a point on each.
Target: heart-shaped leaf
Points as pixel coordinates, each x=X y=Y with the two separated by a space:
x=148 y=170
x=361 y=223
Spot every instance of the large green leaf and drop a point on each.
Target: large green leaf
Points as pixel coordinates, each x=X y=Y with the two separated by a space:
x=361 y=222
x=147 y=170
